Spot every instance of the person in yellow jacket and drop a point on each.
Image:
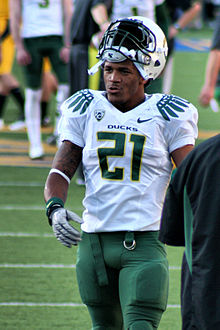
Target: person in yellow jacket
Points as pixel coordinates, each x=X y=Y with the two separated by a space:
x=8 y=83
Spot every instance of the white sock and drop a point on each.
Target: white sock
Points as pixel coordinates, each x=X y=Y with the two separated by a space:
x=62 y=95
x=33 y=121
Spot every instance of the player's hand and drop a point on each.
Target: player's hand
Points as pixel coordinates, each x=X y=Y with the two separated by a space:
x=65 y=54
x=64 y=232
x=172 y=32
x=23 y=57
x=206 y=94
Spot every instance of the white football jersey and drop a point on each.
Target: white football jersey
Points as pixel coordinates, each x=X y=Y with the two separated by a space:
x=126 y=156
x=126 y=8
x=42 y=18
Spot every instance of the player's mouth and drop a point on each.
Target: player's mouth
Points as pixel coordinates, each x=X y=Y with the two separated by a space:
x=113 y=89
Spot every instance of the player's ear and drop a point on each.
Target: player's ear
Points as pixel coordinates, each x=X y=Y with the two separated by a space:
x=144 y=82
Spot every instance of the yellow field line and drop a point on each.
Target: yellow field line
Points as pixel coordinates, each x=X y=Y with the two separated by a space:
x=48 y=130
x=207 y=134
x=15 y=147
x=25 y=161
x=7 y=145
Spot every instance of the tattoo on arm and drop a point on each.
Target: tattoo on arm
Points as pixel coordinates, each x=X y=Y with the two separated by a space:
x=68 y=158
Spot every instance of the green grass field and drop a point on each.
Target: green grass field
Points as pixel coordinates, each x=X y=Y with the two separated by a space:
x=38 y=282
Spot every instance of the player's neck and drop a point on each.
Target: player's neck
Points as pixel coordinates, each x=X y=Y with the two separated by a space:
x=129 y=105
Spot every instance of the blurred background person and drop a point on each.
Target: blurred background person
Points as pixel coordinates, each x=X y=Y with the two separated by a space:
x=90 y=19
x=49 y=88
x=181 y=13
x=9 y=86
x=41 y=29
x=210 y=9
x=210 y=88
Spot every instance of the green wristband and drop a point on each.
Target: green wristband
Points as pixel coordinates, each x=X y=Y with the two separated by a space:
x=54 y=200
x=52 y=204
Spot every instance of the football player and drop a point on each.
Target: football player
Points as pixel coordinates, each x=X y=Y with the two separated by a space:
x=44 y=33
x=126 y=140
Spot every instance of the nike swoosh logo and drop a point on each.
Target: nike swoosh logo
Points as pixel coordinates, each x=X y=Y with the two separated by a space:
x=142 y=120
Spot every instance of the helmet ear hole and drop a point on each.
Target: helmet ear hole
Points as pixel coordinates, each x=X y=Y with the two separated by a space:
x=157 y=63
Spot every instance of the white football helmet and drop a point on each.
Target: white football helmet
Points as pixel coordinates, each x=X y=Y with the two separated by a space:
x=138 y=39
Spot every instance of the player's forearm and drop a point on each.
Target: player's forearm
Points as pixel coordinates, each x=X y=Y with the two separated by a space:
x=56 y=186
x=68 y=12
x=100 y=16
x=189 y=15
x=15 y=22
x=66 y=161
x=212 y=68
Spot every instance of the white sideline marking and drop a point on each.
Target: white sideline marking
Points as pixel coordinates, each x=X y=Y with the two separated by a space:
x=54 y=266
x=36 y=266
x=21 y=207
x=29 y=208
x=31 y=304
x=25 y=235
x=21 y=184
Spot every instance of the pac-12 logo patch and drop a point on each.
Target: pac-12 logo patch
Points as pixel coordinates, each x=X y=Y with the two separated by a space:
x=99 y=114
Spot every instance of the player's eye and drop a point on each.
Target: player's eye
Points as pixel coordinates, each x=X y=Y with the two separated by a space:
x=107 y=69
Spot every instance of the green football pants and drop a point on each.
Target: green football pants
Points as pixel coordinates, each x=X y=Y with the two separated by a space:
x=40 y=47
x=123 y=279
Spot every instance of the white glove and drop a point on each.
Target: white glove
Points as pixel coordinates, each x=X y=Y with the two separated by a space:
x=63 y=231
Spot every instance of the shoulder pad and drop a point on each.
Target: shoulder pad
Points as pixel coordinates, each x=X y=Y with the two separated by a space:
x=80 y=101
x=170 y=105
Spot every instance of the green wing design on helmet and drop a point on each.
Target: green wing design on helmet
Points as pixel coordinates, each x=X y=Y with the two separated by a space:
x=170 y=105
x=81 y=100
